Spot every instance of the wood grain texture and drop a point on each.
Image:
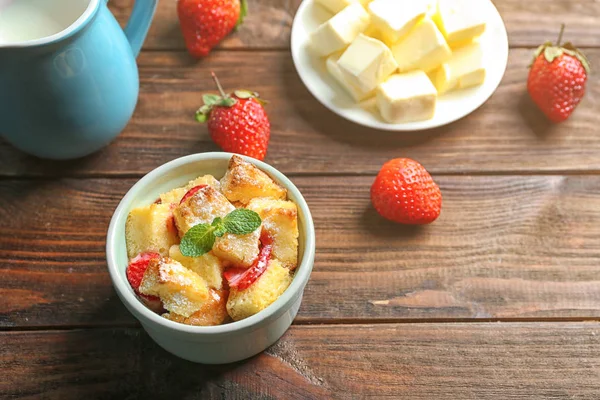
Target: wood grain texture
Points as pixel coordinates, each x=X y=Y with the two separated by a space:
x=416 y=361
x=508 y=134
x=504 y=247
x=529 y=23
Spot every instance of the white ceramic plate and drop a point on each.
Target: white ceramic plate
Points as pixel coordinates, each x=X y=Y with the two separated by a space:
x=450 y=106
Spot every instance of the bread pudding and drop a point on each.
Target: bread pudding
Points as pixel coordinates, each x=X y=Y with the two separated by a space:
x=213 y=252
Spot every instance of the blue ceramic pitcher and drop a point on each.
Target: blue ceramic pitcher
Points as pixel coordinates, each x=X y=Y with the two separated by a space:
x=68 y=77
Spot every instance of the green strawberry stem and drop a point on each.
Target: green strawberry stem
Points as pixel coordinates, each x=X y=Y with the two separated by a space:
x=214 y=100
x=551 y=51
x=221 y=91
x=560 y=35
x=222 y=100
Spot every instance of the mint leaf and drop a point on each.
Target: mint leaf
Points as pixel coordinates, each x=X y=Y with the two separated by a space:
x=219 y=227
x=241 y=221
x=198 y=240
x=220 y=231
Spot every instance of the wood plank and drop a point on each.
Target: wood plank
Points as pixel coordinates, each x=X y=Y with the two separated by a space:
x=504 y=247
x=507 y=134
x=529 y=23
x=417 y=361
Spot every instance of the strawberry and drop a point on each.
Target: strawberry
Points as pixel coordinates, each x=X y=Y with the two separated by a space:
x=135 y=273
x=191 y=192
x=404 y=192
x=237 y=122
x=204 y=23
x=171 y=224
x=241 y=278
x=557 y=78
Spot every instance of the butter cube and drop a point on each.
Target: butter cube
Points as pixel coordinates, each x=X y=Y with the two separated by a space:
x=424 y=48
x=335 y=6
x=373 y=32
x=395 y=18
x=406 y=97
x=431 y=7
x=459 y=21
x=340 y=30
x=366 y=63
x=464 y=69
x=333 y=68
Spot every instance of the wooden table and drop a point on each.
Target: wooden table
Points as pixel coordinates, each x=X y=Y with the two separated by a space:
x=499 y=299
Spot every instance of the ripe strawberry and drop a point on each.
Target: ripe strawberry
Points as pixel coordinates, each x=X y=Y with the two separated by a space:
x=191 y=192
x=237 y=122
x=242 y=278
x=404 y=192
x=135 y=273
x=204 y=23
x=557 y=78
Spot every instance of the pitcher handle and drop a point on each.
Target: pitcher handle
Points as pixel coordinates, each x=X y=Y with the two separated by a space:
x=139 y=23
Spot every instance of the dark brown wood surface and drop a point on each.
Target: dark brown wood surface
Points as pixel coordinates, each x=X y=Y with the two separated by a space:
x=507 y=134
x=498 y=299
x=504 y=247
x=268 y=25
x=416 y=361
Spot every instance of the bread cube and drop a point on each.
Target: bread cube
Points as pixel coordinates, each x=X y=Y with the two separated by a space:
x=201 y=208
x=213 y=312
x=243 y=182
x=239 y=250
x=262 y=293
x=181 y=290
x=208 y=266
x=150 y=228
x=280 y=220
x=174 y=196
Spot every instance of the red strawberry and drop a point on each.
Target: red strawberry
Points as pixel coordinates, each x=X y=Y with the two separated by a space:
x=204 y=23
x=191 y=192
x=404 y=192
x=135 y=273
x=237 y=123
x=241 y=278
x=171 y=223
x=557 y=78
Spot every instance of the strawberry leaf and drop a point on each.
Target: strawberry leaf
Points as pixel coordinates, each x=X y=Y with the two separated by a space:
x=243 y=13
x=245 y=94
x=226 y=102
x=201 y=117
x=552 y=52
x=210 y=99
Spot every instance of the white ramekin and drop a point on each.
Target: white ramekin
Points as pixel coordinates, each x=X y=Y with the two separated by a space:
x=211 y=344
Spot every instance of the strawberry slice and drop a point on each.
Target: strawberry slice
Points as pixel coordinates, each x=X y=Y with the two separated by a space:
x=171 y=223
x=234 y=274
x=240 y=278
x=135 y=273
x=191 y=192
